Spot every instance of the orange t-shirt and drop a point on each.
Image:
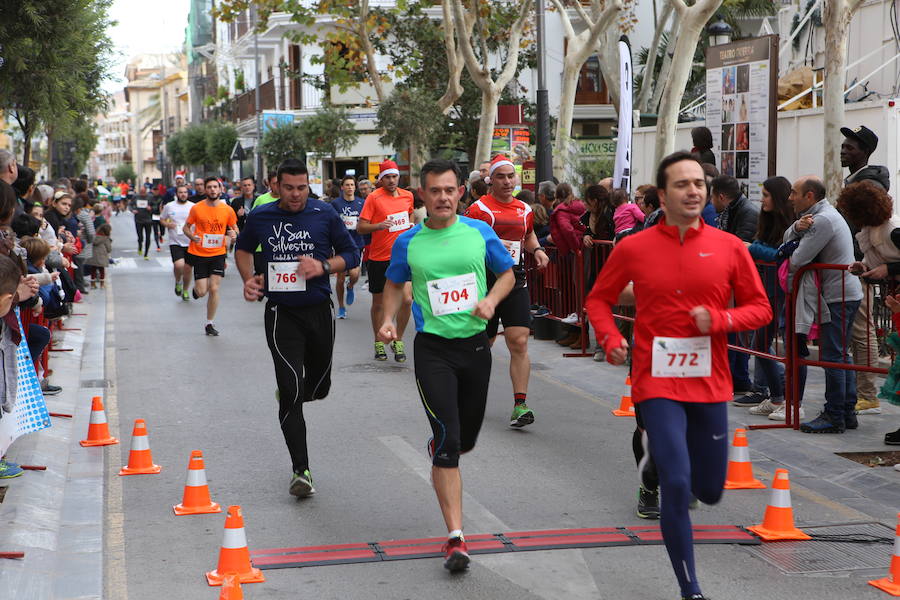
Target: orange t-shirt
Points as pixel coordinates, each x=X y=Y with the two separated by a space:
x=378 y=207
x=210 y=224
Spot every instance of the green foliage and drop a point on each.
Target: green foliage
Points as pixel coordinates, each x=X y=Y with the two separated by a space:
x=210 y=101
x=329 y=131
x=239 y=83
x=220 y=140
x=175 y=148
x=193 y=144
x=590 y=172
x=410 y=117
x=57 y=55
x=282 y=142
x=124 y=172
x=222 y=93
x=85 y=137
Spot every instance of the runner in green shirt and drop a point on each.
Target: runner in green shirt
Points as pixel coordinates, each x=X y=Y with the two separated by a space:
x=447 y=258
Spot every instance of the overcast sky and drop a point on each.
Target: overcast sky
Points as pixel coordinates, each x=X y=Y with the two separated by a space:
x=145 y=27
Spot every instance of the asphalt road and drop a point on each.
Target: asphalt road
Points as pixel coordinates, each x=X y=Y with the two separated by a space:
x=573 y=468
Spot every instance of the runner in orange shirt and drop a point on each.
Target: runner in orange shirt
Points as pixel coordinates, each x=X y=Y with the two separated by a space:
x=386 y=214
x=208 y=225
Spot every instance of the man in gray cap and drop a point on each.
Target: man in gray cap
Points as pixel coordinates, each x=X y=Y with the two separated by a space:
x=858 y=145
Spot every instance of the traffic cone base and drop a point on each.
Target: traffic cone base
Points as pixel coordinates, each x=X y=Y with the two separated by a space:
x=196 y=498
x=740 y=471
x=778 y=521
x=231 y=588
x=98 y=428
x=891 y=583
x=234 y=556
x=140 y=460
x=626 y=406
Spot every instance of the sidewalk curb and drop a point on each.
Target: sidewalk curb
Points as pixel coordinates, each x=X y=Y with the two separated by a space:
x=56 y=516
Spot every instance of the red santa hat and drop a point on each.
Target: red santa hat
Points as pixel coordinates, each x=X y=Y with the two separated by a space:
x=388 y=167
x=179 y=174
x=497 y=162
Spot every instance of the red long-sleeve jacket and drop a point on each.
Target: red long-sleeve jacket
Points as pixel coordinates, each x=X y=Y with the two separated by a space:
x=709 y=268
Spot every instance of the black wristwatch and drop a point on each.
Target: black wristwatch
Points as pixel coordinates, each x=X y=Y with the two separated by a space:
x=326 y=266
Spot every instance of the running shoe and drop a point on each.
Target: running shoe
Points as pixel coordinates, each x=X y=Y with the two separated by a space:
x=778 y=413
x=185 y=297
x=456 y=556
x=571 y=319
x=399 y=351
x=752 y=399
x=868 y=407
x=178 y=289
x=599 y=355
x=542 y=311
x=146 y=257
x=211 y=330
x=351 y=296
x=822 y=424
x=764 y=408
x=380 y=354
x=521 y=416
x=342 y=313
x=648 y=503
x=850 y=421
x=695 y=597
x=302 y=485
x=50 y=390
x=9 y=470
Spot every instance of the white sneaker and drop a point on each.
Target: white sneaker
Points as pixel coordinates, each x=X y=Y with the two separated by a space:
x=766 y=407
x=778 y=413
x=571 y=319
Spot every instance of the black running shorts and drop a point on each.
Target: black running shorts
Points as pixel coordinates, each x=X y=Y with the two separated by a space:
x=377 y=275
x=513 y=311
x=204 y=266
x=178 y=252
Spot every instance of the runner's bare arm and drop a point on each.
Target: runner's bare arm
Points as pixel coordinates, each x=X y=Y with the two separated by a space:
x=253 y=284
x=503 y=286
x=534 y=246
x=364 y=227
x=188 y=230
x=391 y=300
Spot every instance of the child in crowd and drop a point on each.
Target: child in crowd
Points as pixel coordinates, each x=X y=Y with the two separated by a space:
x=100 y=259
x=627 y=215
x=99 y=219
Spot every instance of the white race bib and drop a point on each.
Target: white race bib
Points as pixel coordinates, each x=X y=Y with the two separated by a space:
x=283 y=277
x=453 y=294
x=514 y=249
x=350 y=222
x=682 y=357
x=141 y=203
x=155 y=217
x=400 y=221
x=213 y=240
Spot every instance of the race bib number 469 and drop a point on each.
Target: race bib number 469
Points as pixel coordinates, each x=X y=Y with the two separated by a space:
x=682 y=357
x=283 y=277
x=453 y=294
x=400 y=221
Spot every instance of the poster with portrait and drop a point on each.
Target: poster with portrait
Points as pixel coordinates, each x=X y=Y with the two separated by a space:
x=741 y=99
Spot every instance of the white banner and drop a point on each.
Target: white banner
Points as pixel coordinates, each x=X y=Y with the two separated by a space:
x=30 y=412
x=622 y=171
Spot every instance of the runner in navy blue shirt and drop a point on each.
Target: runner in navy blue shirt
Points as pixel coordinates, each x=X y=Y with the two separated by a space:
x=303 y=241
x=348 y=206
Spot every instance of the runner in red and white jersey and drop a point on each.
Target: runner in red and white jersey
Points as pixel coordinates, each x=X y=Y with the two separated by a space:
x=513 y=222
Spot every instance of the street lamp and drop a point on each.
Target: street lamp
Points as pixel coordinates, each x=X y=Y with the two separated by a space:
x=719 y=32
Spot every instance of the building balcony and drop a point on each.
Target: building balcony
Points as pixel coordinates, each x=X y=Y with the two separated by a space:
x=243 y=106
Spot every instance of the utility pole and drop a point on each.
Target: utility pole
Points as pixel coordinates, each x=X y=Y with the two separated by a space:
x=544 y=158
x=260 y=177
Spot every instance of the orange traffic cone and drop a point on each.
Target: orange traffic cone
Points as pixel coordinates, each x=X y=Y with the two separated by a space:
x=891 y=583
x=98 y=428
x=196 y=498
x=740 y=472
x=231 y=588
x=234 y=556
x=140 y=461
x=778 y=522
x=626 y=408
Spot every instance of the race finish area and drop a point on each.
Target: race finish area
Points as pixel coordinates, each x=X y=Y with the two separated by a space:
x=487 y=543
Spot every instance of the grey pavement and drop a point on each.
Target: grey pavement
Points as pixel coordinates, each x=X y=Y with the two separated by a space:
x=573 y=468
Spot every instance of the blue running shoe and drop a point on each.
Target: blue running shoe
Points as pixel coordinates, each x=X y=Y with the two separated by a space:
x=351 y=296
x=9 y=470
x=342 y=313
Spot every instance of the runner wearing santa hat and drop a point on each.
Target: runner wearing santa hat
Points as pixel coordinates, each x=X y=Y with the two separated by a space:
x=386 y=214
x=513 y=222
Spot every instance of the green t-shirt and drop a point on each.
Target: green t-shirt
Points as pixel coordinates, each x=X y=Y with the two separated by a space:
x=448 y=268
x=263 y=199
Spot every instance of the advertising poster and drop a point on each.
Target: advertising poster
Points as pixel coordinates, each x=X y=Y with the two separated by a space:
x=741 y=95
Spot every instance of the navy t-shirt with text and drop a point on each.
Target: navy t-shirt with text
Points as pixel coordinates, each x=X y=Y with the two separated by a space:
x=315 y=231
x=349 y=213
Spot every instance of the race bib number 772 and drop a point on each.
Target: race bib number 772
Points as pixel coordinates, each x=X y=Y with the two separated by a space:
x=682 y=357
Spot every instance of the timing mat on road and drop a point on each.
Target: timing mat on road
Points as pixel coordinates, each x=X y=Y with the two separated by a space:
x=489 y=543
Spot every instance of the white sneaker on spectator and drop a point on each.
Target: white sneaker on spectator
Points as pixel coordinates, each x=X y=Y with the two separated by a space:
x=571 y=319
x=778 y=413
x=766 y=407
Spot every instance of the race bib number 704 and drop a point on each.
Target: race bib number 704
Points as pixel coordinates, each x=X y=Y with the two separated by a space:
x=682 y=357
x=453 y=294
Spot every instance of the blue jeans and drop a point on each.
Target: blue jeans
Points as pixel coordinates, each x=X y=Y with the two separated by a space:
x=834 y=346
x=739 y=363
x=768 y=376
